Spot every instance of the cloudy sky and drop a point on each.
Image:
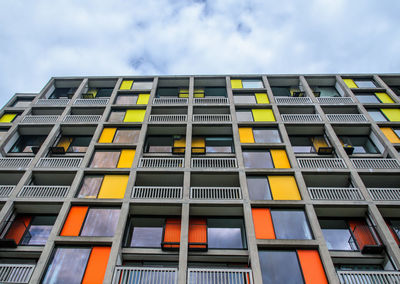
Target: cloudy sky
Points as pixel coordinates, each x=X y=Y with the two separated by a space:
x=40 y=39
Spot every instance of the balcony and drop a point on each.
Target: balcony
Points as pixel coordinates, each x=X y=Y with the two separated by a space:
x=214 y=163
x=15 y=162
x=293 y=100
x=361 y=277
x=215 y=100
x=375 y=163
x=40 y=119
x=126 y=274
x=334 y=193
x=53 y=102
x=384 y=194
x=161 y=162
x=212 y=118
x=5 y=190
x=349 y=117
x=170 y=101
x=223 y=276
x=59 y=163
x=91 y=102
x=302 y=118
x=82 y=118
x=43 y=191
x=335 y=101
x=156 y=192
x=168 y=118
x=321 y=163
x=221 y=193
x=16 y=273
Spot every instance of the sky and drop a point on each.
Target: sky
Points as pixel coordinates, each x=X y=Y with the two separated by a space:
x=42 y=39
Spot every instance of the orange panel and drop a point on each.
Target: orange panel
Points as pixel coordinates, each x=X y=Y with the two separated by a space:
x=361 y=233
x=97 y=264
x=18 y=228
x=172 y=233
x=310 y=263
x=198 y=233
x=73 y=224
x=263 y=225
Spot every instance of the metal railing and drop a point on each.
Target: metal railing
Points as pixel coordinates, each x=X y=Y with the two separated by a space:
x=40 y=119
x=220 y=276
x=157 y=192
x=82 y=118
x=161 y=162
x=375 y=163
x=168 y=117
x=15 y=162
x=91 y=102
x=335 y=100
x=292 y=100
x=169 y=101
x=212 y=117
x=389 y=194
x=214 y=163
x=5 y=190
x=148 y=275
x=369 y=277
x=335 y=193
x=346 y=118
x=52 y=102
x=44 y=191
x=215 y=193
x=59 y=163
x=16 y=273
x=301 y=117
x=215 y=100
x=321 y=163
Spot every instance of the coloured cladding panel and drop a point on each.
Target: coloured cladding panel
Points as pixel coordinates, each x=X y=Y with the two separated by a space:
x=284 y=188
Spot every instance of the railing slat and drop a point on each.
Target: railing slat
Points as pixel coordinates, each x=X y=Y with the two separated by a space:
x=59 y=163
x=90 y=102
x=15 y=162
x=321 y=163
x=214 y=100
x=214 y=163
x=381 y=277
x=389 y=194
x=82 y=118
x=375 y=163
x=348 y=117
x=335 y=100
x=156 y=192
x=334 y=193
x=171 y=101
x=301 y=118
x=148 y=275
x=292 y=100
x=161 y=162
x=212 y=118
x=168 y=118
x=44 y=191
x=16 y=273
x=40 y=119
x=53 y=102
x=215 y=193
x=5 y=190
x=220 y=276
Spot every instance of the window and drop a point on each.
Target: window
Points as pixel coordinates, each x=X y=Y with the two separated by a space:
x=215 y=92
x=28 y=144
x=140 y=99
x=244 y=99
x=74 y=144
x=275 y=158
x=97 y=93
x=307 y=144
x=130 y=115
x=63 y=93
x=258 y=188
x=168 y=92
x=202 y=145
x=107 y=186
x=281 y=91
x=364 y=83
x=225 y=233
x=8 y=117
x=259 y=135
x=368 y=99
x=244 y=115
x=361 y=144
x=120 y=135
x=272 y=188
x=394 y=227
x=325 y=92
x=113 y=159
x=136 y=85
x=116 y=116
x=165 y=144
x=376 y=115
x=21 y=102
x=246 y=83
x=255 y=115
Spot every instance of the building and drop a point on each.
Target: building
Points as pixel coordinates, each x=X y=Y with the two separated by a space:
x=202 y=179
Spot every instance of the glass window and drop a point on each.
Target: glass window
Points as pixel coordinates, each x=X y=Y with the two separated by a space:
x=126 y=99
x=116 y=116
x=64 y=261
x=100 y=222
x=281 y=91
x=361 y=144
x=215 y=92
x=171 y=92
x=252 y=84
x=142 y=85
x=63 y=93
x=396 y=90
x=266 y=135
x=79 y=144
x=22 y=102
x=126 y=136
x=104 y=92
x=25 y=143
x=146 y=232
x=90 y=186
x=39 y=230
x=225 y=233
x=244 y=115
x=290 y=224
x=337 y=234
x=368 y=99
x=258 y=188
x=376 y=115
x=365 y=83
x=244 y=99
x=397 y=131
x=326 y=91
x=301 y=144
x=103 y=159
x=395 y=224
x=160 y=144
x=280 y=267
x=219 y=145
x=257 y=159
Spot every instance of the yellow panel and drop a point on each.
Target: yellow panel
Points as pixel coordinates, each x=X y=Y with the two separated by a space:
x=280 y=159
x=183 y=93
x=262 y=98
x=107 y=135
x=143 y=99
x=113 y=186
x=384 y=98
x=393 y=114
x=236 y=84
x=390 y=135
x=126 y=158
x=134 y=115
x=246 y=135
x=199 y=93
x=284 y=188
x=198 y=142
x=126 y=85
x=263 y=115
x=180 y=143
x=93 y=92
x=350 y=83
x=318 y=142
x=65 y=142
x=7 y=117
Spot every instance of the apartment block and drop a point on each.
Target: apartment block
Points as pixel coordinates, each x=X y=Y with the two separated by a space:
x=231 y=179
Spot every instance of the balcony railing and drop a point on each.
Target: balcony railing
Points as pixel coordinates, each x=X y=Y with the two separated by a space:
x=168 y=118
x=91 y=102
x=148 y=275
x=53 y=102
x=5 y=190
x=220 y=276
x=321 y=163
x=292 y=100
x=301 y=118
x=369 y=277
x=82 y=118
x=212 y=118
x=335 y=101
x=215 y=100
x=214 y=163
x=40 y=119
x=346 y=118
x=375 y=163
x=16 y=273
x=228 y=193
x=334 y=193
x=44 y=191
x=156 y=192
x=59 y=163
x=15 y=162
x=169 y=101
x=161 y=162
x=385 y=194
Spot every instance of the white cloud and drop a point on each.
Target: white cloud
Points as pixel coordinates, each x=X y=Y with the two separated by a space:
x=41 y=39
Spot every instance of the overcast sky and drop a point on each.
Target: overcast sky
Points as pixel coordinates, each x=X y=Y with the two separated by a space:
x=40 y=39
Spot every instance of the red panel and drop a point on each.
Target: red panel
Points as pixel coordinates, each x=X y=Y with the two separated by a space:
x=362 y=233
x=97 y=264
x=198 y=233
x=312 y=268
x=263 y=226
x=73 y=224
x=18 y=228
x=172 y=233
